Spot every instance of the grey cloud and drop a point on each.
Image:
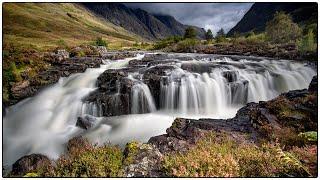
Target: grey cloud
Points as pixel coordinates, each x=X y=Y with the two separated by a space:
x=207 y=15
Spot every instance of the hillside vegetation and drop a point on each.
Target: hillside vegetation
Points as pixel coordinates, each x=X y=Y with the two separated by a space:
x=46 y=25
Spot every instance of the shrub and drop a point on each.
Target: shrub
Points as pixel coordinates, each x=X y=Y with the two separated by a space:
x=187 y=45
x=307 y=43
x=105 y=161
x=207 y=159
x=281 y=29
x=308 y=156
x=225 y=158
x=100 y=42
x=311 y=136
x=190 y=32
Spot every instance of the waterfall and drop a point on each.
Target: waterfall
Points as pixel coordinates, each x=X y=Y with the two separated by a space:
x=44 y=123
x=186 y=92
x=142 y=100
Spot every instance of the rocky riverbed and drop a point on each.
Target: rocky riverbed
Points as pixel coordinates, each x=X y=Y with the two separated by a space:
x=252 y=123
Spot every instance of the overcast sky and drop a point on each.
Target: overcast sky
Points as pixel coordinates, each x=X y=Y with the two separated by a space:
x=206 y=15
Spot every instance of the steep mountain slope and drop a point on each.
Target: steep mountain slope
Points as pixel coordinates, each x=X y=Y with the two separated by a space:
x=139 y=21
x=260 y=13
x=45 y=25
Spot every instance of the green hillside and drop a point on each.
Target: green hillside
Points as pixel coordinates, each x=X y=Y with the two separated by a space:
x=46 y=25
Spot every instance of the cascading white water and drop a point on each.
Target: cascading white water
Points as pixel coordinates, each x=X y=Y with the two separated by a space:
x=45 y=122
x=142 y=100
x=211 y=94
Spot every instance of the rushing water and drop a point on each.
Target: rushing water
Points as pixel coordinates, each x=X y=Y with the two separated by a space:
x=45 y=123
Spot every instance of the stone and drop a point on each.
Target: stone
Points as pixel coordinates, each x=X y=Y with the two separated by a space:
x=144 y=161
x=86 y=122
x=30 y=163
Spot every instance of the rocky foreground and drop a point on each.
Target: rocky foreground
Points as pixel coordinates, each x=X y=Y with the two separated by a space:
x=285 y=121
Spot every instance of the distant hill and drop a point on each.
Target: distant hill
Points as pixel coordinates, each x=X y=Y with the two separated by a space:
x=139 y=21
x=45 y=25
x=260 y=13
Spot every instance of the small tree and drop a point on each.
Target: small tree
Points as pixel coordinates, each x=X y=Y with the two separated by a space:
x=190 y=33
x=221 y=33
x=209 y=35
x=282 y=29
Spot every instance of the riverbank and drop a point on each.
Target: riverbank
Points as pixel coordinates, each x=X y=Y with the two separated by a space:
x=279 y=134
x=261 y=49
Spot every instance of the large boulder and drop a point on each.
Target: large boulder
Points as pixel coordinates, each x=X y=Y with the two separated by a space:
x=30 y=163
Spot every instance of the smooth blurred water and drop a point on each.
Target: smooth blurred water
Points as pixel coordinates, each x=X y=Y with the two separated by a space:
x=44 y=123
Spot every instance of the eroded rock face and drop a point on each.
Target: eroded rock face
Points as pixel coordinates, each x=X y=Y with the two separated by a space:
x=30 y=163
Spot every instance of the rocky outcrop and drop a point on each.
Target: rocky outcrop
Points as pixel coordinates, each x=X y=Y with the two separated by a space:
x=30 y=163
x=114 y=92
x=295 y=109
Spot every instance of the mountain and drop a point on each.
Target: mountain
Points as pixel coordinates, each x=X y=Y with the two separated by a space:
x=139 y=21
x=260 y=13
x=46 y=25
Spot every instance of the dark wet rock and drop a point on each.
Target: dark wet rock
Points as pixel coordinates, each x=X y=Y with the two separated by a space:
x=296 y=94
x=30 y=163
x=163 y=62
x=86 y=122
x=112 y=79
x=142 y=160
x=198 y=67
x=231 y=76
x=111 y=104
x=239 y=91
x=157 y=56
x=153 y=77
x=313 y=87
x=138 y=63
